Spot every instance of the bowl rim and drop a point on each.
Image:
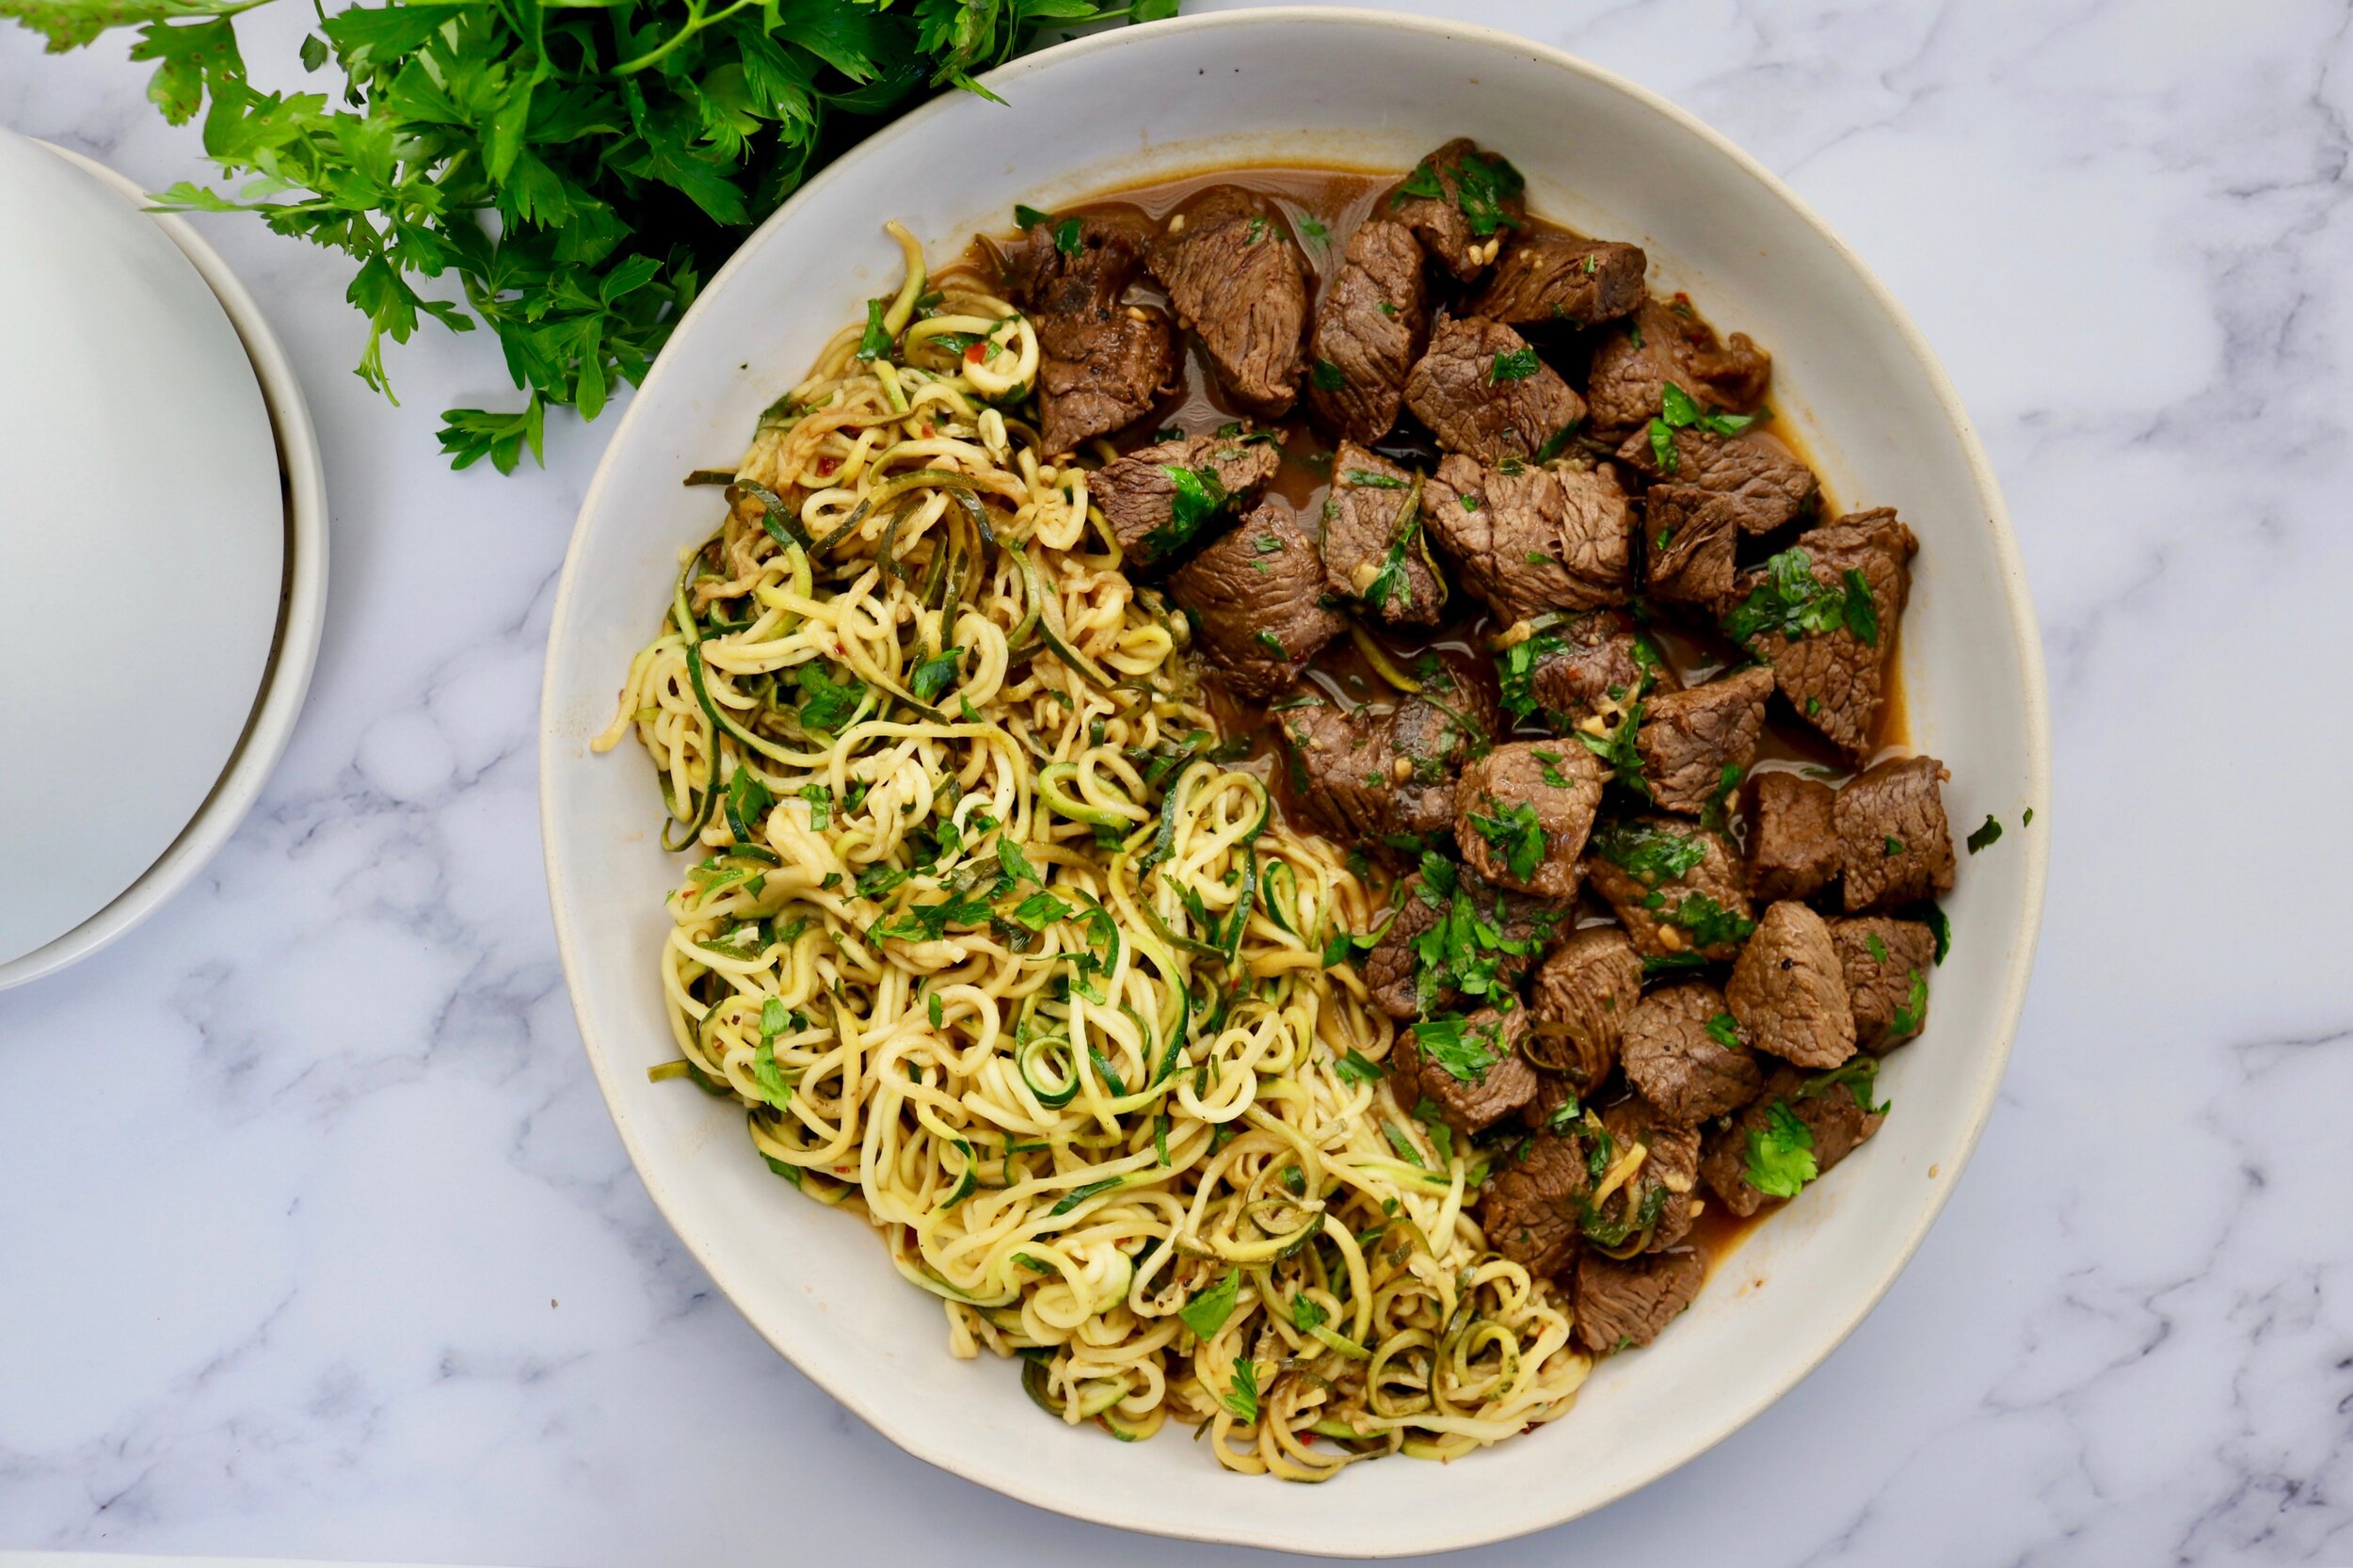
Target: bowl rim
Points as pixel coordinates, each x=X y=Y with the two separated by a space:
x=2017 y=603
x=301 y=608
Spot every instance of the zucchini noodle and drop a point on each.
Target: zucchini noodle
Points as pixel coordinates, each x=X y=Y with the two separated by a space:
x=995 y=950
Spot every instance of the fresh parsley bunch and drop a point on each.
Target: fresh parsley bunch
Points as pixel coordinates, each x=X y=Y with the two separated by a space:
x=576 y=166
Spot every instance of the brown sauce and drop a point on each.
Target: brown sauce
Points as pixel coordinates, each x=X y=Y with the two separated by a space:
x=1324 y=206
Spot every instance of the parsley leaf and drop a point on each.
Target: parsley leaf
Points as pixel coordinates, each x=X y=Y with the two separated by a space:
x=934 y=675
x=1067 y=236
x=1792 y=603
x=1208 y=1309
x=1463 y=1050
x=1243 y=1399
x=1516 y=365
x=1725 y=1030
x=1516 y=831
x=1200 y=495
x=1356 y=1067
x=1781 y=1153
x=1328 y=376
x=826 y=704
x=874 y=343
x=1986 y=835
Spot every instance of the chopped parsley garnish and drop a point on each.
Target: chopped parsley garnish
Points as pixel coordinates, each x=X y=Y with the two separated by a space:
x=1356 y=1067
x=1791 y=602
x=1516 y=833
x=1877 y=949
x=1619 y=751
x=1516 y=365
x=1859 y=1076
x=1370 y=480
x=1891 y=846
x=1243 y=1399
x=1028 y=216
x=1515 y=669
x=1781 y=1154
x=1465 y=1052
x=1709 y=923
x=1266 y=544
x=1200 y=494
x=1556 y=442
x=1067 y=236
x=1483 y=183
x=1565 y=1115
x=1392 y=581
x=1652 y=856
x=2028 y=820
x=826 y=704
x=1985 y=835
x=1208 y=1309
x=1908 y=1018
x=1550 y=762
x=1273 y=644
x=1313 y=228
x=1328 y=376
x=1254 y=232
x=1725 y=1030
x=933 y=676
x=1306 y=1315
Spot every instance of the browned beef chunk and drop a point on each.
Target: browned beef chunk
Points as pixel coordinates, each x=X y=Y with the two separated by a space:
x=1254 y=595
x=1560 y=278
x=1236 y=278
x=1893 y=843
x=1689 y=740
x=1102 y=362
x=1373 y=549
x=1484 y=393
x=1688 y=537
x=1763 y=480
x=1679 y=888
x=1493 y=1083
x=1834 y=676
x=1581 y=998
x=1371 y=326
x=1522 y=812
x=1667 y=340
x=1789 y=991
x=1833 y=1111
x=1141 y=498
x=1624 y=1306
x=1588 y=672
x=1655 y=1201
x=1489 y=941
x=1543 y=538
x=1376 y=774
x=1793 y=849
x=1684 y=1052
x=1459 y=202
x=1886 y=964
x=1530 y=1209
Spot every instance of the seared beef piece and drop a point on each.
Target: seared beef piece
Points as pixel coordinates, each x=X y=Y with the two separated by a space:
x=1833 y=677
x=1458 y=201
x=1893 y=843
x=1235 y=278
x=1254 y=595
x=1484 y=392
x=1561 y=278
x=1657 y=1199
x=1667 y=342
x=1688 y=541
x=1543 y=538
x=1102 y=362
x=1678 y=888
x=1833 y=1114
x=1589 y=672
x=1789 y=991
x=1530 y=1209
x=1500 y=935
x=1374 y=775
x=1138 y=493
x=1763 y=480
x=1522 y=812
x=1362 y=558
x=1472 y=1105
x=1886 y=964
x=1793 y=849
x=1371 y=325
x=1624 y=1306
x=1689 y=738
x=1555 y=1094
x=1684 y=1052
x=1581 y=998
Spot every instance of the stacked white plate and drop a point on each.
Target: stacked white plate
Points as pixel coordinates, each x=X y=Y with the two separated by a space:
x=163 y=556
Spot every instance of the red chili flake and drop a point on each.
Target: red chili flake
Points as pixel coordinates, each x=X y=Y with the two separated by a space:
x=827 y=465
x=975 y=353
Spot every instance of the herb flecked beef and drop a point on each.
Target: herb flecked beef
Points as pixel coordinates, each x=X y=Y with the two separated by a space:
x=1237 y=280
x=1824 y=614
x=1528 y=540
x=1454 y=938
x=1522 y=813
x=1547 y=278
x=1667 y=340
x=1461 y=201
x=1766 y=484
x=1696 y=744
x=1894 y=845
x=1582 y=998
x=1684 y=1053
x=1371 y=325
x=1886 y=964
x=1678 y=888
x=1812 y=1120
x=1485 y=392
x=1374 y=548
x=1256 y=595
x=1793 y=846
x=1469 y=1069
x=1160 y=499
x=1103 y=361
x=1624 y=1306
x=1788 y=989
x=1378 y=776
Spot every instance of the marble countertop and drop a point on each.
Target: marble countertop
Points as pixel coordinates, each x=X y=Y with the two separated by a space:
x=317 y=1240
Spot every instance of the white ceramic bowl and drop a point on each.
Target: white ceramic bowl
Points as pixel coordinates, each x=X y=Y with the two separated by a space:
x=1328 y=85
x=134 y=337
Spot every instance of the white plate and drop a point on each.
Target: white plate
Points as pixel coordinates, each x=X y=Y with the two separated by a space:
x=175 y=690
x=1330 y=86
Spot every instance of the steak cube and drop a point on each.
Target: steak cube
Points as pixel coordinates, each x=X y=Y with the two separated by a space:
x=1561 y=278
x=1793 y=847
x=1824 y=614
x=1256 y=595
x=1788 y=989
x=1373 y=551
x=1238 y=282
x=1159 y=499
x=1697 y=744
x=1532 y=1204
x=1542 y=538
x=1684 y=1052
x=1102 y=362
x=1895 y=846
x=1454 y=936
x=1371 y=327
x=1624 y=1306
x=1373 y=775
x=1484 y=393
x=1458 y=201
x=1677 y=888
x=1763 y=481
x=1688 y=541
x=1522 y=813
x=1585 y=673
x=1469 y=1069
x=1886 y=964
x=1821 y=1117
x=1667 y=340
x=1583 y=994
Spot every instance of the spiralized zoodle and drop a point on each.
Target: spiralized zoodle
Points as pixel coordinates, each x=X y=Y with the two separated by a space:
x=994 y=946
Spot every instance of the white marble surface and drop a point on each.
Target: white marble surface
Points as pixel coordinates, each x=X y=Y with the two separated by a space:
x=315 y=1238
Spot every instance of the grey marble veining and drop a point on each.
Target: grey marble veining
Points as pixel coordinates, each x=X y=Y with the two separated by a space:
x=317 y=1240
